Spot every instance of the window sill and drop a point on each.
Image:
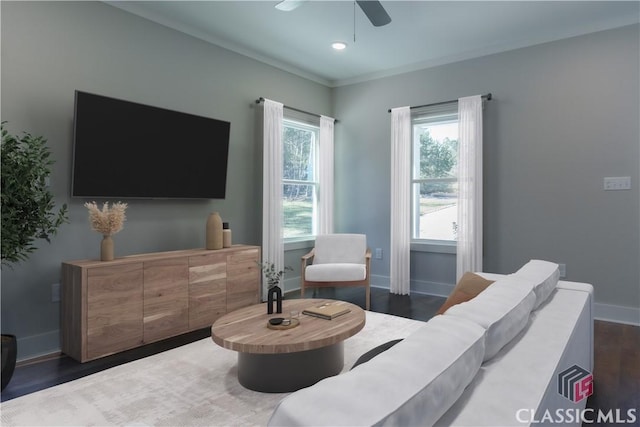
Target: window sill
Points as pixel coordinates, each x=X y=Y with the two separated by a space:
x=434 y=246
x=299 y=243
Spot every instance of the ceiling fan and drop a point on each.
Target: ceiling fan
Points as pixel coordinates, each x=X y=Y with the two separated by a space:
x=371 y=8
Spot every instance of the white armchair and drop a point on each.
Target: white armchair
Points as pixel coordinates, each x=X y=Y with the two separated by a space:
x=338 y=260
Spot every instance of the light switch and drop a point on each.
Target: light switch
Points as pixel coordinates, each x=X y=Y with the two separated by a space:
x=617 y=183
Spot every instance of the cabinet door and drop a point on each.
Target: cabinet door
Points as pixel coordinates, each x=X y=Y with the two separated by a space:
x=114 y=309
x=166 y=303
x=243 y=278
x=207 y=289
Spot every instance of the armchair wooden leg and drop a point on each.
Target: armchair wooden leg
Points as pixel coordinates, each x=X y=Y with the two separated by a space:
x=368 y=298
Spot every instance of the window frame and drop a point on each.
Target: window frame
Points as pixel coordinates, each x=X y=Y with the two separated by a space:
x=305 y=125
x=440 y=114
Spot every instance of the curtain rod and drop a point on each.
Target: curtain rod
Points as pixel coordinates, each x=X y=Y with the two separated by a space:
x=487 y=97
x=261 y=99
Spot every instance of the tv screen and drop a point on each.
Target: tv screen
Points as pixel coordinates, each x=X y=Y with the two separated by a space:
x=127 y=150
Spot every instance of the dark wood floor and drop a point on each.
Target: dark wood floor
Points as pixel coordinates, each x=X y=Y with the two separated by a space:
x=616 y=355
x=616 y=371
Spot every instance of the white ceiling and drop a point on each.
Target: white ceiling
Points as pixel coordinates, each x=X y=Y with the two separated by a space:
x=421 y=34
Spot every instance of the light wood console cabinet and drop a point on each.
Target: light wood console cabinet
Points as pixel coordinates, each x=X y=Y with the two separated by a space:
x=112 y=306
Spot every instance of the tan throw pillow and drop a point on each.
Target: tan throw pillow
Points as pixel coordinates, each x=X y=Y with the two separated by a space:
x=466 y=289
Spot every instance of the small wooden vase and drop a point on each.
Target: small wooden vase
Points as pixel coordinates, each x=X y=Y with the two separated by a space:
x=106 y=248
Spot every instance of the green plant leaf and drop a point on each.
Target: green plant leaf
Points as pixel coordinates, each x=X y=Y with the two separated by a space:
x=28 y=208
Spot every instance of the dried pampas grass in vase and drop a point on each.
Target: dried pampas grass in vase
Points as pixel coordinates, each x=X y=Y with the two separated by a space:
x=107 y=222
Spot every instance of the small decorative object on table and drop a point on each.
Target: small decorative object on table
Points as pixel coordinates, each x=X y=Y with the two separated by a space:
x=214 y=231
x=226 y=235
x=284 y=323
x=273 y=279
x=107 y=222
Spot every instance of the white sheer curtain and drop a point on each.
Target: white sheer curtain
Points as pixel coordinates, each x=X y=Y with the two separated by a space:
x=325 y=166
x=272 y=246
x=400 y=200
x=469 y=250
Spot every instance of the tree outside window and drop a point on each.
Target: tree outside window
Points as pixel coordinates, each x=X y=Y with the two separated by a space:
x=299 y=179
x=435 y=178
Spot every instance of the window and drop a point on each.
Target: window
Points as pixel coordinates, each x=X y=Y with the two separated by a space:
x=434 y=176
x=299 y=179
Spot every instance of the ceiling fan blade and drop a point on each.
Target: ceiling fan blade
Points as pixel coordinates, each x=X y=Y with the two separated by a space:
x=375 y=12
x=289 y=5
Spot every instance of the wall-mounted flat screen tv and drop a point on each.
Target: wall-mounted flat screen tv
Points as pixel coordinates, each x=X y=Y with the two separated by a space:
x=124 y=149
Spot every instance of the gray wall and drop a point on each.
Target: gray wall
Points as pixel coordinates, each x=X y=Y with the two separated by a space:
x=564 y=116
x=49 y=49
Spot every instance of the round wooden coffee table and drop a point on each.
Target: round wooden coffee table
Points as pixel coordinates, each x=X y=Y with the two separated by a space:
x=284 y=360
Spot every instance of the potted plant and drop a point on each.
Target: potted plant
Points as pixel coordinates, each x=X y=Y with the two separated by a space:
x=273 y=280
x=28 y=211
x=107 y=222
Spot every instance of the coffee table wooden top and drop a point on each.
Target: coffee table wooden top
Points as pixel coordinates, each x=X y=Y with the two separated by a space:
x=245 y=330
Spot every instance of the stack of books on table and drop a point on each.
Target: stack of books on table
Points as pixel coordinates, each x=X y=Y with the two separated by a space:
x=327 y=311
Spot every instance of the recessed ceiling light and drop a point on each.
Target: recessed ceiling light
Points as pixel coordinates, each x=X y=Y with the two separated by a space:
x=338 y=45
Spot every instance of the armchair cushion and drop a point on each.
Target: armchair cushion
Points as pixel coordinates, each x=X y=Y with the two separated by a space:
x=342 y=272
x=340 y=248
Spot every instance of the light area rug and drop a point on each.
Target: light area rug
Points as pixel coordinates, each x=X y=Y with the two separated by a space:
x=193 y=385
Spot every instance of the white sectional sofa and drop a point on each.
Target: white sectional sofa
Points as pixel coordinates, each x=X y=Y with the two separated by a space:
x=492 y=361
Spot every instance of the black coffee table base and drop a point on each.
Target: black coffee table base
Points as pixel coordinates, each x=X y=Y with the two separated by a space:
x=286 y=372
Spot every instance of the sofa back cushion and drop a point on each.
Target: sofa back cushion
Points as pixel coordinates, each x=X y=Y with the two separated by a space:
x=545 y=276
x=502 y=309
x=413 y=383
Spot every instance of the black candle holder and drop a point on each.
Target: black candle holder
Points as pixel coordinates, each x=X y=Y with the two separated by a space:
x=274 y=294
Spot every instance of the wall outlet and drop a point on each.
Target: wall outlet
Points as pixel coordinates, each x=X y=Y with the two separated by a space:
x=55 y=292
x=378 y=253
x=563 y=270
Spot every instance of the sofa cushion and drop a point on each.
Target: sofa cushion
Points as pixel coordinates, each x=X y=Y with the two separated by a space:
x=468 y=287
x=337 y=248
x=335 y=272
x=502 y=309
x=491 y=276
x=413 y=383
x=545 y=276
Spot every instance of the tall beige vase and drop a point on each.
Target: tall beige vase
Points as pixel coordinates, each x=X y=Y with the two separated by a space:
x=214 y=231
x=106 y=248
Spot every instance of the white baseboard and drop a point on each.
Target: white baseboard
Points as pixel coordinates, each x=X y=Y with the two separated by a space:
x=617 y=314
x=606 y=312
x=40 y=345
x=291 y=284
x=431 y=288
x=417 y=286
